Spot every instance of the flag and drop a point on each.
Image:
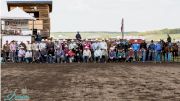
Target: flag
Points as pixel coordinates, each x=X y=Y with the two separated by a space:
x=122 y=25
x=122 y=28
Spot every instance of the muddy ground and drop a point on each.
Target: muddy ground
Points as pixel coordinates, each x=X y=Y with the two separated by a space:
x=94 y=82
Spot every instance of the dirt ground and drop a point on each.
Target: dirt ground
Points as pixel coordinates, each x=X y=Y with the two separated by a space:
x=94 y=82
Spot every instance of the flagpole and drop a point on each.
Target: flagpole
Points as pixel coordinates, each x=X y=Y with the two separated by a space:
x=122 y=28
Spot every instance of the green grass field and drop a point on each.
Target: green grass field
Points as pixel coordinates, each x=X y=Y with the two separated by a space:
x=90 y=35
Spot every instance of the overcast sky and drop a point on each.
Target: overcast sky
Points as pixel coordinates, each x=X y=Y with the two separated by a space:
x=106 y=15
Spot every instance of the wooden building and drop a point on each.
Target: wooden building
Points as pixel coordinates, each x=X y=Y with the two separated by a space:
x=40 y=9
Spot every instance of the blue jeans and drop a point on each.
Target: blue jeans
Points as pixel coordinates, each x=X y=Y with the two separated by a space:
x=85 y=59
x=50 y=59
x=168 y=56
x=143 y=56
x=136 y=55
x=28 y=60
x=151 y=54
x=158 y=56
x=13 y=56
x=20 y=59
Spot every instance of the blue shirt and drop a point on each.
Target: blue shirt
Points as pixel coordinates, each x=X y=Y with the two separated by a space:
x=158 y=47
x=135 y=47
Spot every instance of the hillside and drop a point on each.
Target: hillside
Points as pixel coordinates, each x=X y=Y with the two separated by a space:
x=148 y=35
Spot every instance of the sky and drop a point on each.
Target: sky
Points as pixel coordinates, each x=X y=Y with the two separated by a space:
x=106 y=15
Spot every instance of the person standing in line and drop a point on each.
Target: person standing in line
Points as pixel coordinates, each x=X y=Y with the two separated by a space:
x=151 y=53
x=6 y=50
x=13 y=47
x=158 y=49
x=136 y=47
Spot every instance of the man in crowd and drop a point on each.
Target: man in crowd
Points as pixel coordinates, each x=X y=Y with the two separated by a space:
x=78 y=36
x=13 y=47
x=151 y=48
x=158 y=49
x=136 y=47
x=6 y=50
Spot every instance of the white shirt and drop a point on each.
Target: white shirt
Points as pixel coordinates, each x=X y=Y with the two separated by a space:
x=87 y=53
x=21 y=53
x=35 y=46
x=28 y=54
x=97 y=53
x=72 y=45
x=94 y=46
x=42 y=46
x=28 y=46
x=103 y=45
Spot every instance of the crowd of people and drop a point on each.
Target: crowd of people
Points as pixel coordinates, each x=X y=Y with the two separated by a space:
x=85 y=51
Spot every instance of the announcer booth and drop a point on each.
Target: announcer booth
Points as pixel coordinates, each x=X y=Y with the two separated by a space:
x=39 y=9
x=14 y=26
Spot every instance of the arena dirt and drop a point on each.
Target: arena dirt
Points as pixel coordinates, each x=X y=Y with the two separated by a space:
x=94 y=82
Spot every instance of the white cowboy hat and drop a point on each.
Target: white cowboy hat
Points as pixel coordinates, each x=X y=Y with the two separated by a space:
x=86 y=47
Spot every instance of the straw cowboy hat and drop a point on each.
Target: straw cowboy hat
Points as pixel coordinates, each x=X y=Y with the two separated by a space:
x=21 y=47
x=111 y=48
x=86 y=47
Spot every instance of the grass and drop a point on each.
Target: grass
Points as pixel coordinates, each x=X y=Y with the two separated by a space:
x=84 y=35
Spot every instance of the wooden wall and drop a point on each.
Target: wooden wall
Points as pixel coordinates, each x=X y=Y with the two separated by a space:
x=43 y=10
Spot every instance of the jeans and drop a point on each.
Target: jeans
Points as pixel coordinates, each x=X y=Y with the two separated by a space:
x=136 y=55
x=151 y=55
x=168 y=57
x=71 y=59
x=20 y=59
x=143 y=56
x=50 y=59
x=28 y=60
x=97 y=59
x=13 y=56
x=5 y=56
x=158 y=56
x=85 y=59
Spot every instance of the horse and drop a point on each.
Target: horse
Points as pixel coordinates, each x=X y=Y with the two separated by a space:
x=174 y=51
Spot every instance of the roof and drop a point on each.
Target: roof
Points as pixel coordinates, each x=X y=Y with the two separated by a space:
x=26 y=2
x=17 y=13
